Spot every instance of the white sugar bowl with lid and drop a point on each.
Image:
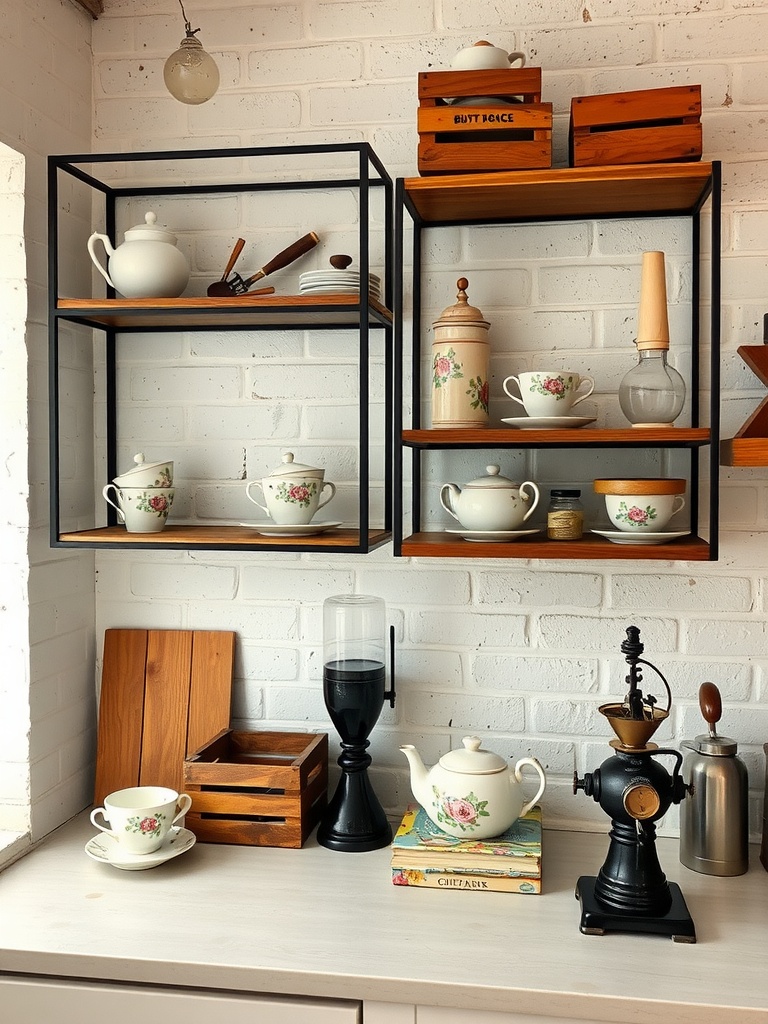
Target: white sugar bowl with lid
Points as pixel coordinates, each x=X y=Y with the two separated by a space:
x=293 y=492
x=490 y=503
x=146 y=474
x=147 y=265
x=472 y=792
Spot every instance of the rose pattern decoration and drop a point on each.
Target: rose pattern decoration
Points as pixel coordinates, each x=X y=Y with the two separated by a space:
x=478 y=393
x=149 y=826
x=296 y=494
x=445 y=367
x=157 y=503
x=459 y=812
x=558 y=387
x=634 y=515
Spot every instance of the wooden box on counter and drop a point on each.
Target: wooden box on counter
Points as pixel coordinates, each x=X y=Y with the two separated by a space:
x=474 y=137
x=257 y=788
x=647 y=126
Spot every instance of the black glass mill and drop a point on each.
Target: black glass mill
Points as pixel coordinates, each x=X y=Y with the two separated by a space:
x=354 y=681
x=631 y=892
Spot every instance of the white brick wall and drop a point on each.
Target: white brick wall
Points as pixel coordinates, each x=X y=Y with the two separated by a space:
x=521 y=652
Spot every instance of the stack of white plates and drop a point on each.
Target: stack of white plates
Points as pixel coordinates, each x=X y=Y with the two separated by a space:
x=344 y=282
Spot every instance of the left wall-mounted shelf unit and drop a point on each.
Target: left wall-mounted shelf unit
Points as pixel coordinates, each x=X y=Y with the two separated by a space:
x=94 y=332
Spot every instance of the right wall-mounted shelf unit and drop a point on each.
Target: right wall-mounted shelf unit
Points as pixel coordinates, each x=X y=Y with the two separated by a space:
x=681 y=190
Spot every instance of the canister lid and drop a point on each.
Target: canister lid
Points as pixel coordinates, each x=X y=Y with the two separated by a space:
x=473 y=760
x=461 y=312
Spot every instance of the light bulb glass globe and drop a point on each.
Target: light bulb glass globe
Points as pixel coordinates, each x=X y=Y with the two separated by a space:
x=652 y=394
x=190 y=74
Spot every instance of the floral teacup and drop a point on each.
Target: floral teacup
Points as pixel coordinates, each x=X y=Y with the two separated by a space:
x=142 y=509
x=292 y=501
x=141 y=816
x=642 y=505
x=546 y=393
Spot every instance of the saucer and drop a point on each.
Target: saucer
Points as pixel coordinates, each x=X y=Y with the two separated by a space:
x=303 y=530
x=106 y=849
x=492 y=536
x=548 y=422
x=620 y=537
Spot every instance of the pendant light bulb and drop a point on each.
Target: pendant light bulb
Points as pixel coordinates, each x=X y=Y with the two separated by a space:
x=190 y=74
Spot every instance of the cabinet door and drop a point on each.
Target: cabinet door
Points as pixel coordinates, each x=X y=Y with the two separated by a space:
x=437 y=1015
x=38 y=1000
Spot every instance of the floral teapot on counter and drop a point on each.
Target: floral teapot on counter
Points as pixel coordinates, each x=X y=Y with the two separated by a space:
x=147 y=265
x=472 y=792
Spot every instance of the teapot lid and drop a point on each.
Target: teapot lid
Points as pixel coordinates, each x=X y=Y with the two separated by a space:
x=142 y=465
x=461 y=312
x=291 y=468
x=150 y=231
x=473 y=760
x=718 y=746
x=493 y=479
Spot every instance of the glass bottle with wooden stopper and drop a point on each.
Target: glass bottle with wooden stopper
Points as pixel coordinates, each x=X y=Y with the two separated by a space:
x=652 y=394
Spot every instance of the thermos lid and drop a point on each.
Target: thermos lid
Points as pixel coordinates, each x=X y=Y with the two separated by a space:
x=718 y=746
x=712 y=708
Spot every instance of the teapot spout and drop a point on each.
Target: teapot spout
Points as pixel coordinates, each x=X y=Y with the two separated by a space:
x=419 y=786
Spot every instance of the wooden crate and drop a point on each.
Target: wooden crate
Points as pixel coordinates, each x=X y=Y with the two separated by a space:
x=257 y=788
x=482 y=137
x=649 y=126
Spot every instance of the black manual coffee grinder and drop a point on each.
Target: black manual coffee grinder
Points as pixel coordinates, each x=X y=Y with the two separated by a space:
x=354 y=680
x=631 y=892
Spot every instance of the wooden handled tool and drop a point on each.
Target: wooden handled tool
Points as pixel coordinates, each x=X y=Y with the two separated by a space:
x=235 y=285
x=233 y=258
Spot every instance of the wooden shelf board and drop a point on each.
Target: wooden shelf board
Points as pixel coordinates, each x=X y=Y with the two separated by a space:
x=238 y=311
x=220 y=537
x=444 y=545
x=570 y=192
x=585 y=437
x=744 y=451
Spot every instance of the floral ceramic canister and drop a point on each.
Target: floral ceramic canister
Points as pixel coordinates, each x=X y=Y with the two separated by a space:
x=460 y=357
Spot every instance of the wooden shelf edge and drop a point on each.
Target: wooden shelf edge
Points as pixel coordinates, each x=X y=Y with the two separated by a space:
x=175 y=537
x=583 y=437
x=442 y=545
x=744 y=451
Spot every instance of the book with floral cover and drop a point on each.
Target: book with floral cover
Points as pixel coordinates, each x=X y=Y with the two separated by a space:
x=433 y=878
x=419 y=843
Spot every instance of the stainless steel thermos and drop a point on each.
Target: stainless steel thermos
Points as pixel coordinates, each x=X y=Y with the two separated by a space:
x=714 y=825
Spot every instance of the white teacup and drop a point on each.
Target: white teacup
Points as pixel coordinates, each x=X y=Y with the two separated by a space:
x=546 y=393
x=642 y=505
x=291 y=501
x=141 y=816
x=141 y=509
x=642 y=513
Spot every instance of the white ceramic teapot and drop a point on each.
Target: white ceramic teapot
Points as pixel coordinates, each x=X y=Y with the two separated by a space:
x=147 y=265
x=483 y=56
x=490 y=503
x=472 y=792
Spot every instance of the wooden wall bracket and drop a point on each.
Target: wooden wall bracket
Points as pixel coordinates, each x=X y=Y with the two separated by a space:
x=749 y=447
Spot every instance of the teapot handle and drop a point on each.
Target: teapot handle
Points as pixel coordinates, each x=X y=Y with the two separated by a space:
x=529 y=485
x=109 y=250
x=516 y=55
x=542 y=781
x=447 y=493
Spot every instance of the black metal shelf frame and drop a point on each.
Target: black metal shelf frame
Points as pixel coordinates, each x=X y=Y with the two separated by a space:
x=405 y=205
x=371 y=174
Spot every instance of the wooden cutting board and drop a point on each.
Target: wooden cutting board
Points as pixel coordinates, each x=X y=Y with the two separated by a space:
x=164 y=693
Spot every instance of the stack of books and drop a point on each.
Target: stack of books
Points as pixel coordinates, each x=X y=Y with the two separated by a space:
x=424 y=855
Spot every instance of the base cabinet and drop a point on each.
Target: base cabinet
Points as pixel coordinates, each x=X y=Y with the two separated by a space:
x=27 y=1000
x=399 y=1013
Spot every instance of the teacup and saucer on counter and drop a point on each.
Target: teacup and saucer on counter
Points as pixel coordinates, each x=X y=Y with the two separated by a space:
x=141 y=827
x=292 y=493
x=548 y=396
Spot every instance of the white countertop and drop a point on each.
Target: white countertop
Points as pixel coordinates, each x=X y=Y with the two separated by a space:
x=316 y=923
